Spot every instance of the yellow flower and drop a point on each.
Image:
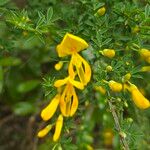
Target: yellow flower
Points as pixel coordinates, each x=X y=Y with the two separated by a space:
x=71 y=44
x=145 y=69
x=68 y=101
x=108 y=137
x=68 y=98
x=110 y=53
x=80 y=67
x=59 y=65
x=115 y=86
x=49 y=110
x=58 y=128
x=44 y=131
x=101 y=11
x=139 y=100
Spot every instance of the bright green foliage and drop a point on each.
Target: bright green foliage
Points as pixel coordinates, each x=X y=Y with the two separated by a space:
x=29 y=33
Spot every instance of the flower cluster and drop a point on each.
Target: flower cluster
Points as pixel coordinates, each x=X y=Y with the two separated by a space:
x=79 y=74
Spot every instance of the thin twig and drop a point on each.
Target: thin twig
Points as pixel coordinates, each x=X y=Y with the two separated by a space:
x=116 y=120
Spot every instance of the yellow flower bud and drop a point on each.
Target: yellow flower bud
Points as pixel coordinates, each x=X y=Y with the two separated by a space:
x=58 y=127
x=136 y=29
x=108 y=137
x=139 y=100
x=122 y=134
x=145 y=69
x=115 y=86
x=110 y=53
x=44 y=131
x=59 y=65
x=127 y=77
x=145 y=53
x=89 y=147
x=101 y=11
x=109 y=68
x=100 y=89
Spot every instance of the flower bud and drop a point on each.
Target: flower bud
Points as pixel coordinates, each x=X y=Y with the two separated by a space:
x=115 y=86
x=109 y=68
x=110 y=53
x=101 y=11
x=59 y=65
x=145 y=53
x=136 y=29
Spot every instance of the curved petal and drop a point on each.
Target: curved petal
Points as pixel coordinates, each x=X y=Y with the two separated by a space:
x=44 y=131
x=71 y=44
x=77 y=84
x=49 y=110
x=58 y=128
x=74 y=105
x=61 y=82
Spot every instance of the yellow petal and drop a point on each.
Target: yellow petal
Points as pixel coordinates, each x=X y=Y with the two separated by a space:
x=61 y=82
x=77 y=84
x=49 y=111
x=44 y=131
x=74 y=105
x=71 y=44
x=82 y=67
x=58 y=128
x=139 y=100
x=68 y=101
x=62 y=103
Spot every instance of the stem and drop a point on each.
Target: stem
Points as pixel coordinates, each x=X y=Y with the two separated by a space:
x=117 y=124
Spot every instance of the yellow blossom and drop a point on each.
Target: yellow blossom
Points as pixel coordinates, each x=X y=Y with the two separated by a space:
x=68 y=101
x=71 y=44
x=44 y=131
x=80 y=67
x=110 y=53
x=139 y=100
x=58 y=128
x=59 y=65
x=49 y=110
x=115 y=86
x=101 y=11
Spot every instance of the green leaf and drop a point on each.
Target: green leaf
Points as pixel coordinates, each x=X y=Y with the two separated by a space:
x=3 y=2
x=49 y=14
x=147 y=11
x=28 y=86
x=1 y=79
x=24 y=108
x=9 y=61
